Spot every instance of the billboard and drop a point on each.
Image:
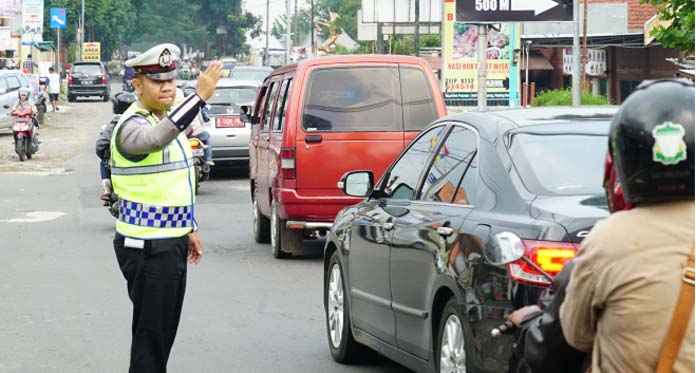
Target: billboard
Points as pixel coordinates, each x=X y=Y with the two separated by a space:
x=91 y=51
x=32 y=21
x=10 y=7
x=460 y=60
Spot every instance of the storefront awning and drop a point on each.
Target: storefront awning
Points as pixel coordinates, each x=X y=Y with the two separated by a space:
x=593 y=41
x=44 y=45
x=537 y=62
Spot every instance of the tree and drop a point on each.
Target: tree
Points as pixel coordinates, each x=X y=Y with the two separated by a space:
x=680 y=34
x=300 y=35
x=227 y=16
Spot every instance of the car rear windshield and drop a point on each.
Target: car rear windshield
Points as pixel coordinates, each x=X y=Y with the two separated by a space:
x=233 y=96
x=353 y=100
x=250 y=74
x=92 y=69
x=560 y=164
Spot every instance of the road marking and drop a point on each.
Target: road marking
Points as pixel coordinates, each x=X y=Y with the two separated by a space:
x=36 y=217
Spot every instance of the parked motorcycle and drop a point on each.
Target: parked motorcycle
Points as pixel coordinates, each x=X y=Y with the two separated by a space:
x=26 y=138
x=202 y=169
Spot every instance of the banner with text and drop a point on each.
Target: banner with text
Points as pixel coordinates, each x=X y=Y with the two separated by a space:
x=460 y=61
x=91 y=51
x=10 y=7
x=32 y=21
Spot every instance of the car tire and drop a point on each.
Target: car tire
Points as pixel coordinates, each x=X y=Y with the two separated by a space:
x=284 y=241
x=344 y=349
x=105 y=98
x=71 y=98
x=456 y=351
x=262 y=225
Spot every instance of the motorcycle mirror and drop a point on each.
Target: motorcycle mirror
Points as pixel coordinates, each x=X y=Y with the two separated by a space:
x=503 y=248
x=5 y=106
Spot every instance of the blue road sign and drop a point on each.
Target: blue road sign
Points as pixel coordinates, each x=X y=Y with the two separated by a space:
x=58 y=18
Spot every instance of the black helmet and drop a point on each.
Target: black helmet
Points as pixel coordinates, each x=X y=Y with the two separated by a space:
x=122 y=101
x=651 y=141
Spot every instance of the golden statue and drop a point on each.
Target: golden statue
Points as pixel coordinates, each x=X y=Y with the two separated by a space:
x=330 y=43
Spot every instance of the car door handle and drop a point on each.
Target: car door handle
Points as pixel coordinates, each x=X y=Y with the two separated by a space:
x=388 y=226
x=312 y=138
x=445 y=231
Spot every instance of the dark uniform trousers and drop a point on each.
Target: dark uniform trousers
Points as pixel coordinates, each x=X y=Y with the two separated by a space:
x=156 y=277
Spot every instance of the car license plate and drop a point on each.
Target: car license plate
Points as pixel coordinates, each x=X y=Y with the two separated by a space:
x=197 y=152
x=228 y=122
x=87 y=81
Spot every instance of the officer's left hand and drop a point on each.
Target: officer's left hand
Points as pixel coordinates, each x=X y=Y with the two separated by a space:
x=195 y=248
x=517 y=316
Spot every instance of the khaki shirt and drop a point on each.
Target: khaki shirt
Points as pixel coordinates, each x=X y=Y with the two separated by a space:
x=624 y=287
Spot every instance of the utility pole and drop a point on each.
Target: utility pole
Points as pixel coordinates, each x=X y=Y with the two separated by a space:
x=576 y=54
x=417 y=34
x=287 y=31
x=266 y=60
x=380 y=39
x=482 y=68
x=583 y=55
x=295 y=39
x=82 y=31
x=311 y=26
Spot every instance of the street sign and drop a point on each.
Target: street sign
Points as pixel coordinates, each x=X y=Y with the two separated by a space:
x=58 y=18
x=485 y=11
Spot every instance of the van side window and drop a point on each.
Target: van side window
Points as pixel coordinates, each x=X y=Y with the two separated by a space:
x=269 y=106
x=279 y=116
x=285 y=92
x=353 y=99
x=419 y=106
x=12 y=83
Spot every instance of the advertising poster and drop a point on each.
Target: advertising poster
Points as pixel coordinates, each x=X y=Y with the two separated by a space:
x=10 y=7
x=91 y=51
x=460 y=60
x=32 y=21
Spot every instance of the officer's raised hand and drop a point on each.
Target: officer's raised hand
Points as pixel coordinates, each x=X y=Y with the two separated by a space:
x=208 y=80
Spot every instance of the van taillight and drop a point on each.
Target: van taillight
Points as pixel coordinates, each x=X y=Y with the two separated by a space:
x=549 y=256
x=287 y=163
x=69 y=78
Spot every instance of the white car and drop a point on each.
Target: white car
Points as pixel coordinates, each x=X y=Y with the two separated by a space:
x=229 y=136
x=10 y=82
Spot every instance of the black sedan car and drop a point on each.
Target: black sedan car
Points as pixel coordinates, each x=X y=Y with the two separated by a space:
x=404 y=271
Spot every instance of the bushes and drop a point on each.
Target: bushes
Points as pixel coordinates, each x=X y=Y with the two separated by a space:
x=564 y=97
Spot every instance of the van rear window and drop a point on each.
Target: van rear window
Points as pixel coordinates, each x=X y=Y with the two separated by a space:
x=360 y=99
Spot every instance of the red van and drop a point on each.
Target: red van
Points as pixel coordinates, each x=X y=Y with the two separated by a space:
x=317 y=119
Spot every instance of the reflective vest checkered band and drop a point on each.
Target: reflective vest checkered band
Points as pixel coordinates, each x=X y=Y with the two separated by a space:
x=155 y=216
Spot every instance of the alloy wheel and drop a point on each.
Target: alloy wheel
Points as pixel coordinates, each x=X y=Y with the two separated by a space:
x=335 y=306
x=452 y=352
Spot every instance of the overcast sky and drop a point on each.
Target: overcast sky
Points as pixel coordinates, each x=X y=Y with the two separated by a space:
x=258 y=7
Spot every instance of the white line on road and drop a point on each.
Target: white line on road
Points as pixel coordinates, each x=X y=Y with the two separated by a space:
x=36 y=217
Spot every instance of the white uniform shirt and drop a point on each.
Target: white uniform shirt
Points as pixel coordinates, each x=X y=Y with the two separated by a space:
x=53 y=83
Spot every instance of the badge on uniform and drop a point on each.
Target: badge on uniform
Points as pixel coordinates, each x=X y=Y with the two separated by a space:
x=669 y=148
x=133 y=243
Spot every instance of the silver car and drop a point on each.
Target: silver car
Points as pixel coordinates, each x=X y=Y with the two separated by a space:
x=229 y=136
x=10 y=82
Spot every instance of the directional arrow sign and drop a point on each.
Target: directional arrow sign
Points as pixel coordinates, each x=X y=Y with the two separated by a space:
x=58 y=16
x=484 y=11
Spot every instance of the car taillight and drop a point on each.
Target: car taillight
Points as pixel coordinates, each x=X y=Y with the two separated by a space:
x=549 y=256
x=103 y=78
x=69 y=78
x=287 y=163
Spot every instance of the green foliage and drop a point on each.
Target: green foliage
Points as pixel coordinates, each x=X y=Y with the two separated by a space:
x=679 y=35
x=564 y=97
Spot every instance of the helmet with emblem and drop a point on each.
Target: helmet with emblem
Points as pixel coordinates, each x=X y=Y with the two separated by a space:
x=157 y=63
x=651 y=142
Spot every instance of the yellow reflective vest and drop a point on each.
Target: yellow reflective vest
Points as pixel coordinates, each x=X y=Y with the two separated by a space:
x=156 y=194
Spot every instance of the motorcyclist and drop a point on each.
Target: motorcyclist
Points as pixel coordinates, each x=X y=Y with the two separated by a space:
x=629 y=273
x=196 y=130
x=120 y=102
x=25 y=102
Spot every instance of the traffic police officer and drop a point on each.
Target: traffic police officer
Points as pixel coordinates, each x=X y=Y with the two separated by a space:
x=622 y=293
x=153 y=176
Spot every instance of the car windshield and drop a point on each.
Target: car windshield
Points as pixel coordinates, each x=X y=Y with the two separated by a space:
x=259 y=75
x=560 y=164
x=233 y=96
x=91 y=69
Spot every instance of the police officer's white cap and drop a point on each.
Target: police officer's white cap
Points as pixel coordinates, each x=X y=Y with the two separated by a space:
x=158 y=62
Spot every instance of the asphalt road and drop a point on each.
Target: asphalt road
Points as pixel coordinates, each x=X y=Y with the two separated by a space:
x=64 y=306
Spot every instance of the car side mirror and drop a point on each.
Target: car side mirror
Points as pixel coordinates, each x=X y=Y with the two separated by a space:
x=245 y=114
x=503 y=248
x=356 y=183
